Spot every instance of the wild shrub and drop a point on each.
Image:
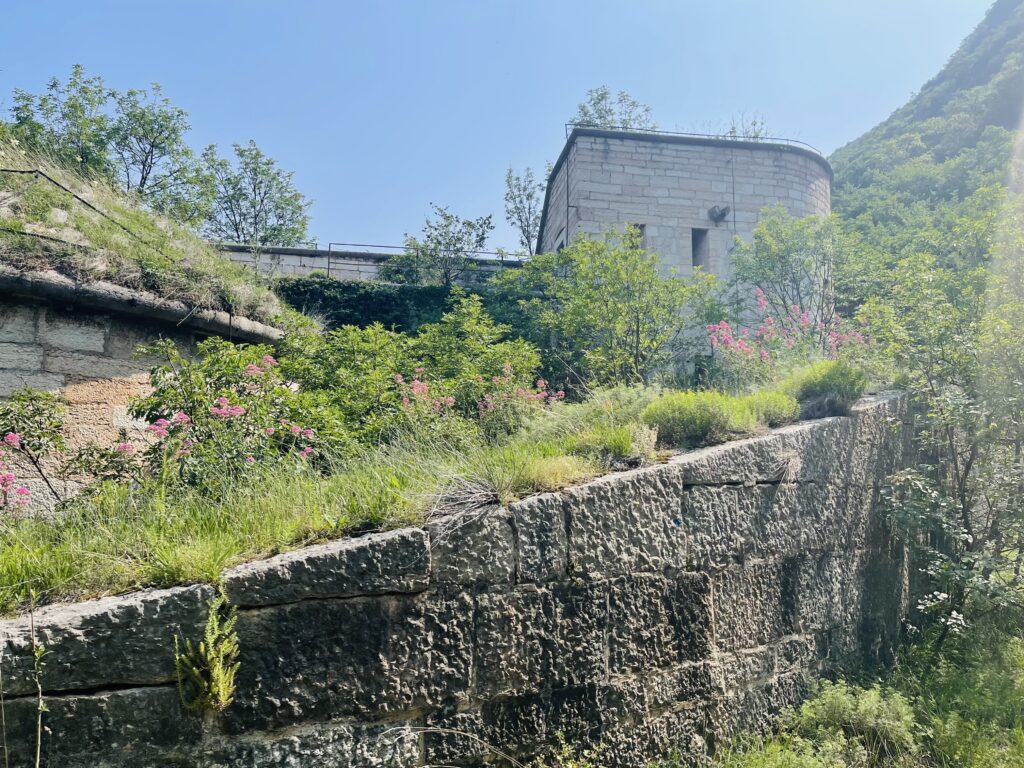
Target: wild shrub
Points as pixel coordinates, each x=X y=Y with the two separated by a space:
x=826 y=388
x=689 y=419
x=773 y=408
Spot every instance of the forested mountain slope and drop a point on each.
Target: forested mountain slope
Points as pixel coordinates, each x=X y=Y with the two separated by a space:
x=930 y=175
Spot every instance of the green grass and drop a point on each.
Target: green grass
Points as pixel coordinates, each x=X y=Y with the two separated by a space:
x=828 y=387
x=690 y=419
x=155 y=254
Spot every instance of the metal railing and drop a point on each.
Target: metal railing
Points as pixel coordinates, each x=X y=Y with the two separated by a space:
x=714 y=136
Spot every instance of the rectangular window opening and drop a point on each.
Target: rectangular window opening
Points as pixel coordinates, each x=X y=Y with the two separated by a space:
x=700 y=248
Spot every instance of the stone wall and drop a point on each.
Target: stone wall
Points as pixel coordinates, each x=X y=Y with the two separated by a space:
x=668 y=183
x=57 y=337
x=659 y=608
x=341 y=265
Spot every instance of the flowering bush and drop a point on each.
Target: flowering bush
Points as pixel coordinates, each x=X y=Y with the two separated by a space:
x=746 y=356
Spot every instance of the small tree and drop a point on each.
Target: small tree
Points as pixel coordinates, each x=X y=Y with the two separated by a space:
x=152 y=160
x=443 y=254
x=256 y=203
x=797 y=263
x=600 y=111
x=601 y=309
x=69 y=122
x=524 y=197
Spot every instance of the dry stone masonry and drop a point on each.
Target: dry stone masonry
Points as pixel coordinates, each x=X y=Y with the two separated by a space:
x=659 y=608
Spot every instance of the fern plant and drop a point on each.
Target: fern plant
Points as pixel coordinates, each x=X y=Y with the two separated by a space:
x=206 y=670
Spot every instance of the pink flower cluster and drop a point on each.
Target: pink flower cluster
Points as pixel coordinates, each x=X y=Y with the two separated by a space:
x=722 y=335
x=224 y=410
x=10 y=491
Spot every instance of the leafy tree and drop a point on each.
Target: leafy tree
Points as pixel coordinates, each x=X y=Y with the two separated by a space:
x=599 y=110
x=256 y=202
x=152 y=159
x=70 y=121
x=800 y=262
x=602 y=311
x=443 y=254
x=524 y=198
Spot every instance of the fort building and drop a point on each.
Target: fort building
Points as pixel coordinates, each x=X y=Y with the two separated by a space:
x=689 y=195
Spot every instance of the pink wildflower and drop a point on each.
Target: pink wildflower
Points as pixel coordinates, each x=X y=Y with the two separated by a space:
x=181 y=418
x=269 y=431
x=399 y=379
x=13 y=439
x=268 y=360
x=125 y=448
x=305 y=452
x=419 y=388
x=307 y=432
x=419 y=370
x=253 y=370
x=250 y=459
x=296 y=429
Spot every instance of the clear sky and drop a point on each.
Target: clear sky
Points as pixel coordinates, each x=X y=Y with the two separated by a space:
x=381 y=108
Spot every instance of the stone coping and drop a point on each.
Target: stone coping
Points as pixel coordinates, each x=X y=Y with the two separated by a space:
x=105 y=296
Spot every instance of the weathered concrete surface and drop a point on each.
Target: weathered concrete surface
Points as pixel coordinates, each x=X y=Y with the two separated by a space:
x=659 y=608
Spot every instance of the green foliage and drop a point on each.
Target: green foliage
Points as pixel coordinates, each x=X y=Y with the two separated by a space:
x=524 y=198
x=773 y=408
x=600 y=111
x=132 y=247
x=564 y=755
x=37 y=418
x=362 y=303
x=443 y=254
x=206 y=670
x=601 y=310
x=256 y=203
x=828 y=387
x=690 y=419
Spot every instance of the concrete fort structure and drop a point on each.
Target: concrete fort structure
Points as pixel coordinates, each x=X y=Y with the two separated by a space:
x=689 y=195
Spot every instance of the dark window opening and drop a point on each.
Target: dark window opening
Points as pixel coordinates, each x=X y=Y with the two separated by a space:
x=700 y=247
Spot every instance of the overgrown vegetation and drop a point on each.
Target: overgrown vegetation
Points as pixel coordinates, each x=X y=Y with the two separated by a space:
x=109 y=237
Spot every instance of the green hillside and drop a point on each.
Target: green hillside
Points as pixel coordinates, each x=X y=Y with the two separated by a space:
x=937 y=164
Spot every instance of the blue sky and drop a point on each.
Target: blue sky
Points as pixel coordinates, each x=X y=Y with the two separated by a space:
x=381 y=108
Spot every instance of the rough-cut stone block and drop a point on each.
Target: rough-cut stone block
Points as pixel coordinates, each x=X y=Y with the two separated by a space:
x=541 y=538
x=534 y=638
x=359 y=656
x=112 y=641
x=655 y=621
x=91 y=366
x=327 y=744
x=76 y=334
x=22 y=357
x=397 y=561
x=627 y=523
x=755 y=604
x=12 y=380
x=18 y=324
x=134 y=727
x=474 y=547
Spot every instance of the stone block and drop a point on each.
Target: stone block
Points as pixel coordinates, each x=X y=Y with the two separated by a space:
x=541 y=538
x=755 y=604
x=112 y=641
x=18 y=324
x=23 y=357
x=475 y=547
x=12 y=380
x=533 y=638
x=392 y=562
x=92 y=366
x=319 y=744
x=133 y=727
x=365 y=656
x=627 y=523
x=654 y=621
x=73 y=333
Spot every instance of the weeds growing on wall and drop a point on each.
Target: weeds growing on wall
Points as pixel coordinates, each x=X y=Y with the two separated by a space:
x=206 y=669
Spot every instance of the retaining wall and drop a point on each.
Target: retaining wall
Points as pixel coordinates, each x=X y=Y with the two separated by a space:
x=659 y=608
